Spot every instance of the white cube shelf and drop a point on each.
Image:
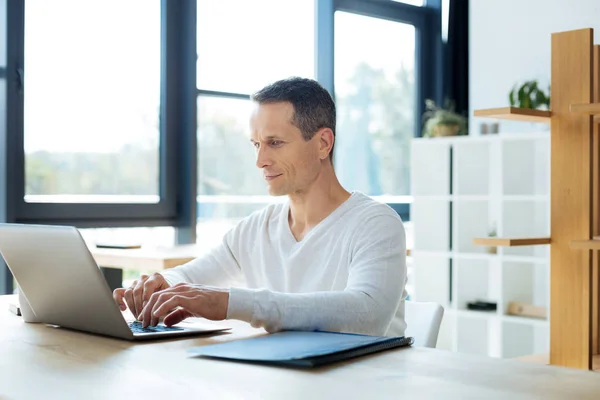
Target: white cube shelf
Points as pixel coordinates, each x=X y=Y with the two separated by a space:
x=432 y=212
x=432 y=160
x=471 y=160
x=468 y=187
x=424 y=267
x=471 y=218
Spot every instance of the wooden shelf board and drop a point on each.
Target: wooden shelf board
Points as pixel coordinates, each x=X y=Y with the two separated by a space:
x=509 y=242
x=587 y=109
x=592 y=244
x=516 y=114
x=544 y=359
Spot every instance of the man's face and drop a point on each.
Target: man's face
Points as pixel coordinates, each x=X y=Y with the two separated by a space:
x=289 y=163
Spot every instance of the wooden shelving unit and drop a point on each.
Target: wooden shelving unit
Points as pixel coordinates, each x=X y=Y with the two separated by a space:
x=516 y=114
x=510 y=242
x=585 y=244
x=574 y=197
x=586 y=109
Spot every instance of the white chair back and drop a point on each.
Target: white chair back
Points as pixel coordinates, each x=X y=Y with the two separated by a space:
x=423 y=320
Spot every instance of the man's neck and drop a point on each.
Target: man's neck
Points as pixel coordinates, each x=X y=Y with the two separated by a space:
x=309 y=208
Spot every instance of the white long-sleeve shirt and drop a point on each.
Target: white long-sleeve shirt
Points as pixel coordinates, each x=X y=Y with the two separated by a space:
x=348 y=274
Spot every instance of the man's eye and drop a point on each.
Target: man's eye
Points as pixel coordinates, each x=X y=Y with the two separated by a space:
x=256 y=145
x=276 y=143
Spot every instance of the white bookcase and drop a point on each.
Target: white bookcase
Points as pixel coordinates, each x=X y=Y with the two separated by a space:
x=463 y=188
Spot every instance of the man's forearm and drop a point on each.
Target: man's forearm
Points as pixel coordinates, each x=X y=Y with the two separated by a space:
x=344 y=311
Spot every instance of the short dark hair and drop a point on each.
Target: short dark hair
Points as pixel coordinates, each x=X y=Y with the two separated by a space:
x=313 y=105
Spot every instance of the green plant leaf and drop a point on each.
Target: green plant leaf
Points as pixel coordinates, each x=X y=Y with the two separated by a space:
x=540 y=99
x=521 y=95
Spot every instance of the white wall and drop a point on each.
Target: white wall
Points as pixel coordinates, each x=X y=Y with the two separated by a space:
x=510 y=43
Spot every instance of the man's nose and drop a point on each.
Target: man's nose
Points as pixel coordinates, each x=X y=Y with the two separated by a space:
x=262 y=158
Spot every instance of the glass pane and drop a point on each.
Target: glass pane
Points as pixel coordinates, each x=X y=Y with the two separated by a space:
x=244 y=45
x=230 y=186
x=226 y=158
x=375 y=97
x=92 y=100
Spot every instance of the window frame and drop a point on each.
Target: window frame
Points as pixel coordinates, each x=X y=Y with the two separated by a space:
x=174 y=120
x=5 y=201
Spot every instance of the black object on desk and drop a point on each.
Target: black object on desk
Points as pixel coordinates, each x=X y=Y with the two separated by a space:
x=122 y=246
x=481 y=306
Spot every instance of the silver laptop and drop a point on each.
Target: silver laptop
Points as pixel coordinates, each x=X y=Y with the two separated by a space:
x=64 y=286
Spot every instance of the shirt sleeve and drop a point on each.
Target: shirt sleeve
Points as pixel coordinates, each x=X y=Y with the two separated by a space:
x=368 y=304
x=219 y=267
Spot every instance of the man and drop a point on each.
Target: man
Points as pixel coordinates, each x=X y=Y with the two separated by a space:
x=326 y=259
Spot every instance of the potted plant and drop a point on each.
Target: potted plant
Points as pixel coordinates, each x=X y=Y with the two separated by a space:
x=529 y=95
x=442 y=121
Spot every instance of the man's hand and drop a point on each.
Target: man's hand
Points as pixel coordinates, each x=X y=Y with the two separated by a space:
x=138 y=294
x=185 y=300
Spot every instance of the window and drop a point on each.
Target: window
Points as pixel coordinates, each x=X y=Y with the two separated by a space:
x=106 y=99
x=226 y=156
x=386 y=61
x=230 y=187
x=232 y=64
x=244 y=45
x=91 y=101
x=375 y=96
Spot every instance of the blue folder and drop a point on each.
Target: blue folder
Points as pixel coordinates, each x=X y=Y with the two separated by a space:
x=300 y=348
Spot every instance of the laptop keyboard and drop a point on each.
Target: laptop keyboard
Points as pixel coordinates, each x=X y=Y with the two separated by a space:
x=137 y=327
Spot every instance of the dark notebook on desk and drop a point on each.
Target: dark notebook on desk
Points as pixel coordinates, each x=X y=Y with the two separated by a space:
x=303 y=349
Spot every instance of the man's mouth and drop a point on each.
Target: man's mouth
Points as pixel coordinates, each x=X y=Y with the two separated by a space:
x=270 y=177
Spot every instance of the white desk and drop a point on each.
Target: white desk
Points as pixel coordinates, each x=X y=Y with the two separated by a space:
x=38 y=361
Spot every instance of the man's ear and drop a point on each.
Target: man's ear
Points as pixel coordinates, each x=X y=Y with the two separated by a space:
x=326 y=139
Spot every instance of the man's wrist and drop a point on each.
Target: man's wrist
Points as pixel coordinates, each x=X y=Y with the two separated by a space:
x=241 y=304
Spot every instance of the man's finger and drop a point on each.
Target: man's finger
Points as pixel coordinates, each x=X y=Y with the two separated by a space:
x=146 y=314
x=157 y=297
x=176 y=317
x=138 y=291
x=151 y=285
x=128 y=295
x=162 y=308
x=118 y=296
x=156 y=300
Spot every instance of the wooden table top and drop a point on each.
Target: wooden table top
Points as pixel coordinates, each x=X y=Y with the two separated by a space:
x=40 y=361
x=145 y=259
